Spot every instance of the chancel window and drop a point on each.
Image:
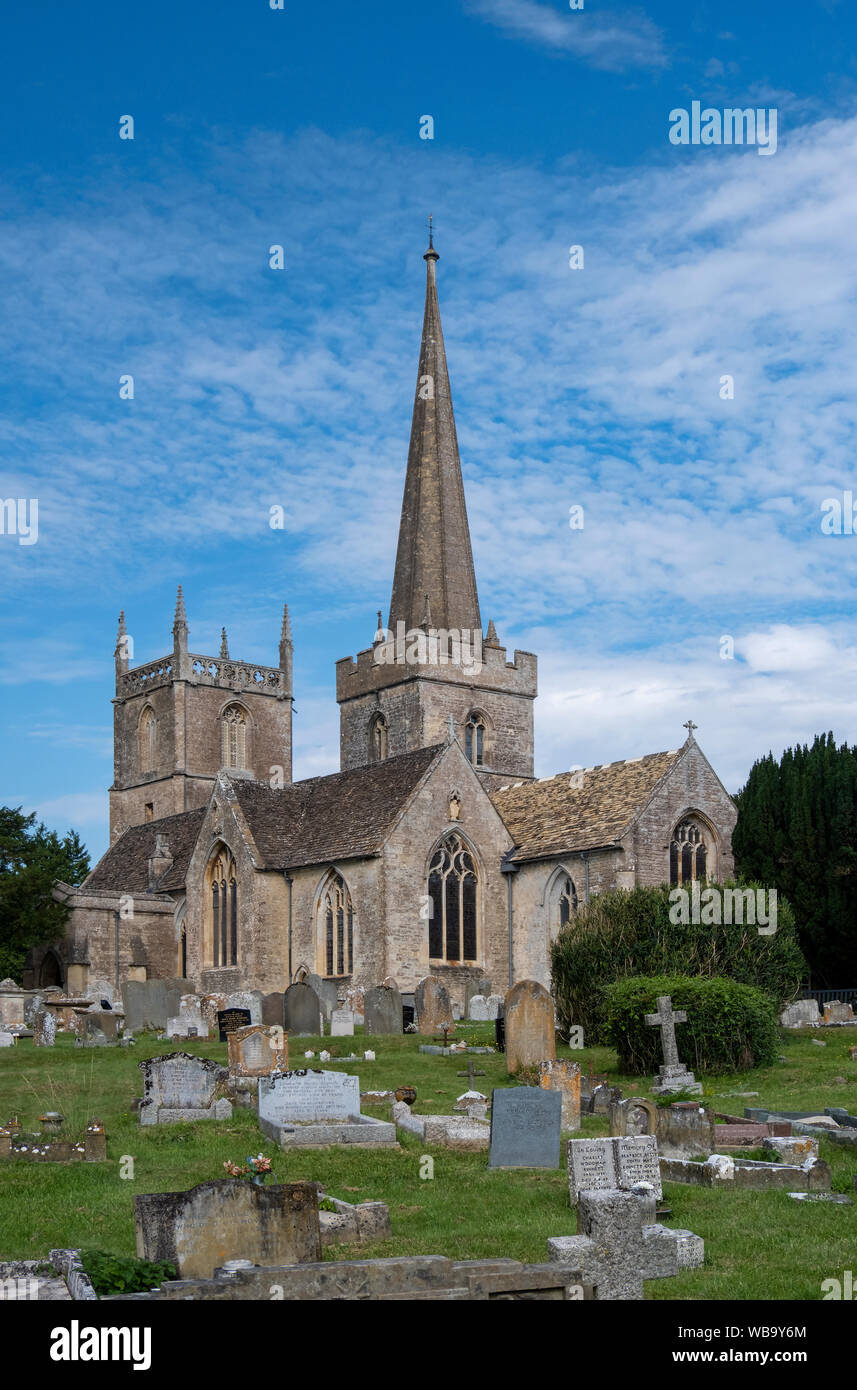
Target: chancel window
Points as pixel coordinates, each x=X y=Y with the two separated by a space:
x=453 y=887
x=567 y=902
x=233 y=737
x=378 y=739
x=223 y=887
x=148 y=737
x=688 y=854
x=337 y=922
x=474 y=740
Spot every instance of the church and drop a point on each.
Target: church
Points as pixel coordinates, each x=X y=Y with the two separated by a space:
x=433 y=850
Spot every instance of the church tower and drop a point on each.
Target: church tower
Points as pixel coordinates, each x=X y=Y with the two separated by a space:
x=431 y=668
x=178 y=721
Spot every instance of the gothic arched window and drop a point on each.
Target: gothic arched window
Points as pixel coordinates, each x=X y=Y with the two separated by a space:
x=223 y=887
x=688 y=854
x=474 y=740
x=378 y=739
x=567 y=902
x=148 y=735
x=453 y=887
x=337 y=928
x=233 y=737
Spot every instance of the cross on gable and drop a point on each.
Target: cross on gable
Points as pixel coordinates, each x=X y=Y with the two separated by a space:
x=690 y=726
x=666 y=1019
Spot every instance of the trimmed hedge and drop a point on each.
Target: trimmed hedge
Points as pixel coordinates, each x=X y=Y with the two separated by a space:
x=730 y=1027
x=621 y=934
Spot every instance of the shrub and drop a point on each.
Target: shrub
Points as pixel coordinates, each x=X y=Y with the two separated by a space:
x=620 y=934
x=123 y=1273
x=730 y=1026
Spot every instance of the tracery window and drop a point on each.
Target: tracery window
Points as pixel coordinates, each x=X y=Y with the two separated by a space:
x=233 y=737
x=453 y=887
x=337 y=924
x=474 y=740
x=378 y=739
x=223 y=887
x=567 y=902
x=688 y=854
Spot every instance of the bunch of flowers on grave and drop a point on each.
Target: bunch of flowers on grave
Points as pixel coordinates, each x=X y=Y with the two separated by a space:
x=256 y=1169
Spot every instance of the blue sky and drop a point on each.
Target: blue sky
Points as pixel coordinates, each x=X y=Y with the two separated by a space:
x=598 y=387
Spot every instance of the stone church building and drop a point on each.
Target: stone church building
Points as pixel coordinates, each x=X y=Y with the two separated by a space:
x=434 y=850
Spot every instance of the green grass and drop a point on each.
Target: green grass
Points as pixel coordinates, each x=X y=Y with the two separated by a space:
x=759 y=1245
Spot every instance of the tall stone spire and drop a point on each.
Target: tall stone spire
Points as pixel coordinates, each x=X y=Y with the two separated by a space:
x=286 y=646
x=434 y=557
x=121 y=652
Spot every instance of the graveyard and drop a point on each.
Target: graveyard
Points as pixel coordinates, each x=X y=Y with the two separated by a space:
x=758 y=1244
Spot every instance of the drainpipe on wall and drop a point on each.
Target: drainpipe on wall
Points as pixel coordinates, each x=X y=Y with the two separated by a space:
x=116 y=948
x=509 y=870
x=289 y=880
x=585 y=858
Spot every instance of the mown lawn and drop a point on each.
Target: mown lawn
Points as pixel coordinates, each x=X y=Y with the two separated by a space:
x=758 y=1245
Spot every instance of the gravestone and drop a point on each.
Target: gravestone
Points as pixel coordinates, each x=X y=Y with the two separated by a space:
x=229 y=1219
x=210 y=1005
x=342 y=1023
x=478 y=1009
x=230 y=1020
x=249 y=999
x=44 y=1028
x=302 y=1011
x=326 y=992
x=146 y=1005
x=272 y=1009
x=181 y=1087
x=382 y=1011
x=354 y=1000
x=530 y=1027
x=434 y=1011
x=257 y=1050
x=616 y=1249
x=7 y=1039
x=672 y=1075
x=633 y=1116
x=308 y=1096
x=803 y=1013
x=837 y=1012
x=525 y=1127
x=563 y=1076
x=102 y=1023
x=600 y=1164
x=189 y=1017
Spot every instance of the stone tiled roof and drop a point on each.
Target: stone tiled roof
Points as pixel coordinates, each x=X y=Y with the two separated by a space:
x=553 y=816
x=125 y=866
x=342 y=816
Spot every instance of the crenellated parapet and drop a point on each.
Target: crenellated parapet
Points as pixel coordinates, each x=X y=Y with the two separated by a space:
x=482 y=667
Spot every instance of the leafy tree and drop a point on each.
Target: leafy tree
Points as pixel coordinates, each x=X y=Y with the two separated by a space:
x=32 y=858
x=797 y=832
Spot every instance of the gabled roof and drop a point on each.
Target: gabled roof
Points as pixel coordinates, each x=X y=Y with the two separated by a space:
x=125 y=866
x=553 y=816
x=343 y=816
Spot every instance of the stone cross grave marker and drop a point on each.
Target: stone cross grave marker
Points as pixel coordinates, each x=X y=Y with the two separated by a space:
x=673 y=1075
x=525 y=1127
x=471 y=1075
x=616 y=1249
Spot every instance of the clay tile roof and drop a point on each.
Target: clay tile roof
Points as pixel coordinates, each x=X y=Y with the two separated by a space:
x=554 y=816
x=125 y=866
x=343 y=816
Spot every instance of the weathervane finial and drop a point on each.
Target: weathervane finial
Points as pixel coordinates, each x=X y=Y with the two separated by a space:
x=431 y=234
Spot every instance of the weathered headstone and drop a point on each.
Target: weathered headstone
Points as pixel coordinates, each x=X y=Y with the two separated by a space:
x=326 y=992
x=478 y=1009
x=228 y=1219
x=434 y=1011
x=525 y=1127
x=342 y=1023
x=301 y=1011
x=210 y=1005
x=250 y=999
x=7 y=1039
x=44 y=1028
x=272 y=1009
x=530 y=1026
x=803 y=1013
x=563 y=1076
x=189 y=1016
x=595 y=1164
x=473 y=987
x=616 y=1250
x=230 y=1020
x=673 y=1074
x=257 y=1050
x=633 y=1116
x=181 y=1087
x=837 y=1012
x=308 y=1096
x=382 y=1008
x=146 y=1005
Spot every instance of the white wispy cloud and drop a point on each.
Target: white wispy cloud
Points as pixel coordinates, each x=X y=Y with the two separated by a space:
x=610 y=39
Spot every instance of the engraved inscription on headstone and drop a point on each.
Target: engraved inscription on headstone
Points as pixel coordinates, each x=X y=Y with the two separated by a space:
x=616 y=1162
x=307 y=1097
x=229 y=1020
